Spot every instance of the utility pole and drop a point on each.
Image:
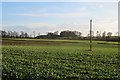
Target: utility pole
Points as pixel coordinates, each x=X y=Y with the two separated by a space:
x=90 y=34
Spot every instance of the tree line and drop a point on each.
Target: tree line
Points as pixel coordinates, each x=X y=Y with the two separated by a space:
x=107 y=36
x=13 y=34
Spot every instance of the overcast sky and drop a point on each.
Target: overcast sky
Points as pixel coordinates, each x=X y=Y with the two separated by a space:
x=58 y=16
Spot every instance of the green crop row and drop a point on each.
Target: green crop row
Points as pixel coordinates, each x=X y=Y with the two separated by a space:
x=58 y=62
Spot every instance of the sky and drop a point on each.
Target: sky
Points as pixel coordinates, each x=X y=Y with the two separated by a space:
x=59 y=0
x=43 y=17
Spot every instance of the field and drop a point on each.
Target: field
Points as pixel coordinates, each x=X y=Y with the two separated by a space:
x=42 y=59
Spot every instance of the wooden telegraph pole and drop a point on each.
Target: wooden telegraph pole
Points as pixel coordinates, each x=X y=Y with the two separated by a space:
x=90 y=34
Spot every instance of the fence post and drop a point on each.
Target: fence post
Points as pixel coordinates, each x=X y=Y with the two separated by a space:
x=90 y=34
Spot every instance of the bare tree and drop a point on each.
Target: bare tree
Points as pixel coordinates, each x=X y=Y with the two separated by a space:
x=22 y=34
x=15 y=34
x=9 y=34
x=98 y=34
x=104 y=34
x=26 y=35
x=34 y=33
x=3 y=33
x=109 y=34
x=38 y=34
